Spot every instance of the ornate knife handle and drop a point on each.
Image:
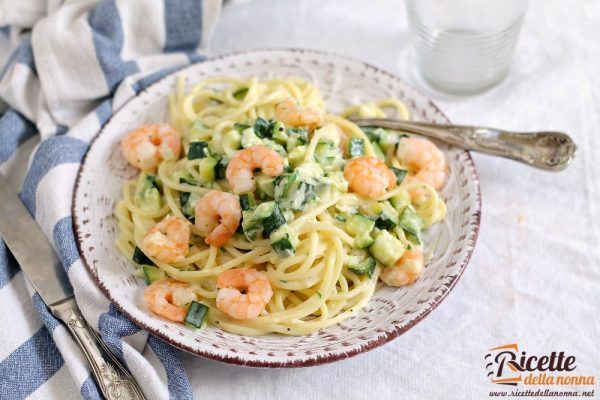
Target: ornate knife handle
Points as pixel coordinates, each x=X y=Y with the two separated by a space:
x=114 y=380
x=551 y=151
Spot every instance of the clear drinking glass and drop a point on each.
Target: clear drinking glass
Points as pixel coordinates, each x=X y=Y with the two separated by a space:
x=464 y=46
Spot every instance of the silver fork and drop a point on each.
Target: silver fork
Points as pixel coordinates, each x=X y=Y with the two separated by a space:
x=552 y=151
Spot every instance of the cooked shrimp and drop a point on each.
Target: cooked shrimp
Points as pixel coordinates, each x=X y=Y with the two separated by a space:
x=168 y=240
x=159 y=297
x=290 y=113
x=406 y=270
x=369 y=176
x=240 y=170
x=218 y=216
x=146 y=146
x=426 y=163
x=254 y=284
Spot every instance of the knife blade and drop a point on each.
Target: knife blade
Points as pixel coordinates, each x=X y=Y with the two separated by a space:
x=31 y=249
x=43 y=268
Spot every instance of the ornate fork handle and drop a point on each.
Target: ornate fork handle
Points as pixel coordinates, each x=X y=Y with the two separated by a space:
x=113 y=379
x=551 y=151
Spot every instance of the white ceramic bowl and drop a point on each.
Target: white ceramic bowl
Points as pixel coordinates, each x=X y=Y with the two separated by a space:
x=391 y=311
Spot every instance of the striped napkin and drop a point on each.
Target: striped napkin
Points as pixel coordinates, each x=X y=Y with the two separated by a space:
x=64 y=68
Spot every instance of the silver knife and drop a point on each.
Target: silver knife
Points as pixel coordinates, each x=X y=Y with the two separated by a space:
x=43 y=268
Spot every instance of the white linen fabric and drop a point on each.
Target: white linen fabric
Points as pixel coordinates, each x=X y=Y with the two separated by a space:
x=65 y=67
x=534 y=278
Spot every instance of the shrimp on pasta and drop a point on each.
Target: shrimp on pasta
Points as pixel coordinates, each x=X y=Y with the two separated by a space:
x=258 y=211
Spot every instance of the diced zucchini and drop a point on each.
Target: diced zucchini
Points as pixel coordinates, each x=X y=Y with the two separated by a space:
x=296 y=156
x=207 y=169
x=296 y=137
x=374 y=133
x=300 y=196
x=188 y=203
x=262 y=128
x=240 y=94
x=368 y=130
x=232 y=141
x=249 y=138
x=238 y=126
x=267 y=217
x=310 y=172
x=265 y=185
x=284 y=241
x=400 y=174
x=291 y=193
x=364 y=242
x=359 y=225
x=276 y=147
x=384 y=139
x=347 y=208
x=252 y=229
x=264 y=210
x=412 y=224
x=413 y=238
x=147 y=193
x=323 y=146
x=388 y=219
x=140 y=258
x=196 y=314
x=387 y=139
x=366 y=266
x=152 y=181
x=400 y=201
x=278 y=133
x=197 y=150
x=272 y=221
x=247 y=201
x=356 y=147
x=385 y=222
x=153 y=274
x=372 y=210
x=221 y=168
x=328 y=155
x=378 y=152
x=253 y=233
x=386 y=249
x=283 y=184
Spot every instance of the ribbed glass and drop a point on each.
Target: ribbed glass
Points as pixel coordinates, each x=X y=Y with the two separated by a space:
x=464 y=46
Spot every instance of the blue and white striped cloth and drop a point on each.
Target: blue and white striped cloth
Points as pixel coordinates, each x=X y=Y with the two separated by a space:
x=65 y=66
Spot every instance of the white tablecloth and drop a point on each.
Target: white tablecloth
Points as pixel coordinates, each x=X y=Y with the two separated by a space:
x=534 y=278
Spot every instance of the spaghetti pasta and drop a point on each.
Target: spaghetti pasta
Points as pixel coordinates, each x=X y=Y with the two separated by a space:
x=331 y=267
